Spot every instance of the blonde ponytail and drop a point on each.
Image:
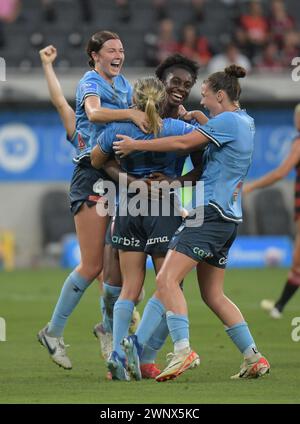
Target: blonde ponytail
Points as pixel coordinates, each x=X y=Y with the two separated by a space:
x=149 y=94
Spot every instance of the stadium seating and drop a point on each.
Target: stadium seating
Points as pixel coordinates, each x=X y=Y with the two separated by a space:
x=56 y=220
x=271 y=214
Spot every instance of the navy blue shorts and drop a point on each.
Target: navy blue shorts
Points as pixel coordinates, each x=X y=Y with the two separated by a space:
x=109 y=231
x=209 y=242
x=149 y=234
x=81 y=188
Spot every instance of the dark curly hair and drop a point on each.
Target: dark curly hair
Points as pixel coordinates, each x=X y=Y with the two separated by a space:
x=177 y=61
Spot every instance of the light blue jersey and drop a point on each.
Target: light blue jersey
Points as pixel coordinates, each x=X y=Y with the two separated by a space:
x=227 y=161
x=141 y=164
x=76 y=141
x=113 y=96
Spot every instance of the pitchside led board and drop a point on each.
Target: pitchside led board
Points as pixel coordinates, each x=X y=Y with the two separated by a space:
x=33 y=148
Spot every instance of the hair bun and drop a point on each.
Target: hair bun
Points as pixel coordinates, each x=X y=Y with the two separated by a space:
x=235 y=71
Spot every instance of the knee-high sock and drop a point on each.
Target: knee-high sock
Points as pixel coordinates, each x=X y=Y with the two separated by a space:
x=155 y=343
x=152 y=316
x=73 y=288
x=122 y=316
x=242 y=338
x=288 y=292
x=179 y=330
x=107 y=303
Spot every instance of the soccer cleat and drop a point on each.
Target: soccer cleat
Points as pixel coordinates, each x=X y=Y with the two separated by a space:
x=269 y=306
x=117 y=367
x=254 y=367
x=56 y=348
x=149 y=371
x=179 y=363
x=133 y=351
x=105 y=338
x=135 y=320
x=275 y=313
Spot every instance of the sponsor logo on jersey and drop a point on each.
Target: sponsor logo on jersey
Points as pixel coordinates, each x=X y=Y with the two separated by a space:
x=81 y=143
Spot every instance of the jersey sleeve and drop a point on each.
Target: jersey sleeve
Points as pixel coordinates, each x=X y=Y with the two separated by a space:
x=220 y=129
x=106 y=139
x=88 y=88
x=178 y=127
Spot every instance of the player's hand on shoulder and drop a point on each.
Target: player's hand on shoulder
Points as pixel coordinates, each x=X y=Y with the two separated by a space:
x=140 y=119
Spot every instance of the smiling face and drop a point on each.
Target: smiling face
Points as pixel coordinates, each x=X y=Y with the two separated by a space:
x=178 y=83
x=109 y=59
x=210 y=100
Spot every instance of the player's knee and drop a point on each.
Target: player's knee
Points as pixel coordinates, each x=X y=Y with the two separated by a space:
x=164 y=282
x=90 y=271
x=129 y=293
x=209 y=299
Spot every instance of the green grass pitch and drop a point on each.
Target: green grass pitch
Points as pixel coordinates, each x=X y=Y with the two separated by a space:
x=28 y=376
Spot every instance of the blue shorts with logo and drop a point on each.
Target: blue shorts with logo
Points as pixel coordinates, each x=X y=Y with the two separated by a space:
x=82 y=183
x=209 y=242
x=149 y=234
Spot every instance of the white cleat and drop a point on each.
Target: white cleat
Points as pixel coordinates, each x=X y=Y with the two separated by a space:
x=275 y=313
x=56 y=348
x=254 y=367
x=269 y=306
x=106 y=340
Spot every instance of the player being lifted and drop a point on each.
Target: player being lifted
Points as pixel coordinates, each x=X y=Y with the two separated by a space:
x=103 y=95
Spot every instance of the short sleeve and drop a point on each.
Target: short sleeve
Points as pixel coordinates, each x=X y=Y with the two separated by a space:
x=88 y=88
x=220 y=129
x=105 y=141
x=178 y=127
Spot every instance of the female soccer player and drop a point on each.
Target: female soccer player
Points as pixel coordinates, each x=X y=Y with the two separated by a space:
x=229 y=135
x=178 y=74
x=133 y=234
x=103 y=95
x=293 y=160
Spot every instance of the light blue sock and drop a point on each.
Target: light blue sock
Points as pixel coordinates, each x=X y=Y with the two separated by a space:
x=178 y=326
x=107 y=302
x=152 y=316
x=155 y=343
x=242 y=338
x=122 y=316
x=71 y=293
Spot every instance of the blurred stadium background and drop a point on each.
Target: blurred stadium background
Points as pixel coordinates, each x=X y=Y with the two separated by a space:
x=35 y=170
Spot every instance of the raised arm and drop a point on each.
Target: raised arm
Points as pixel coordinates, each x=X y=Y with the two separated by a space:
x=279 y=173
x=66 y=113
x=181 y=143
x=96 y=113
